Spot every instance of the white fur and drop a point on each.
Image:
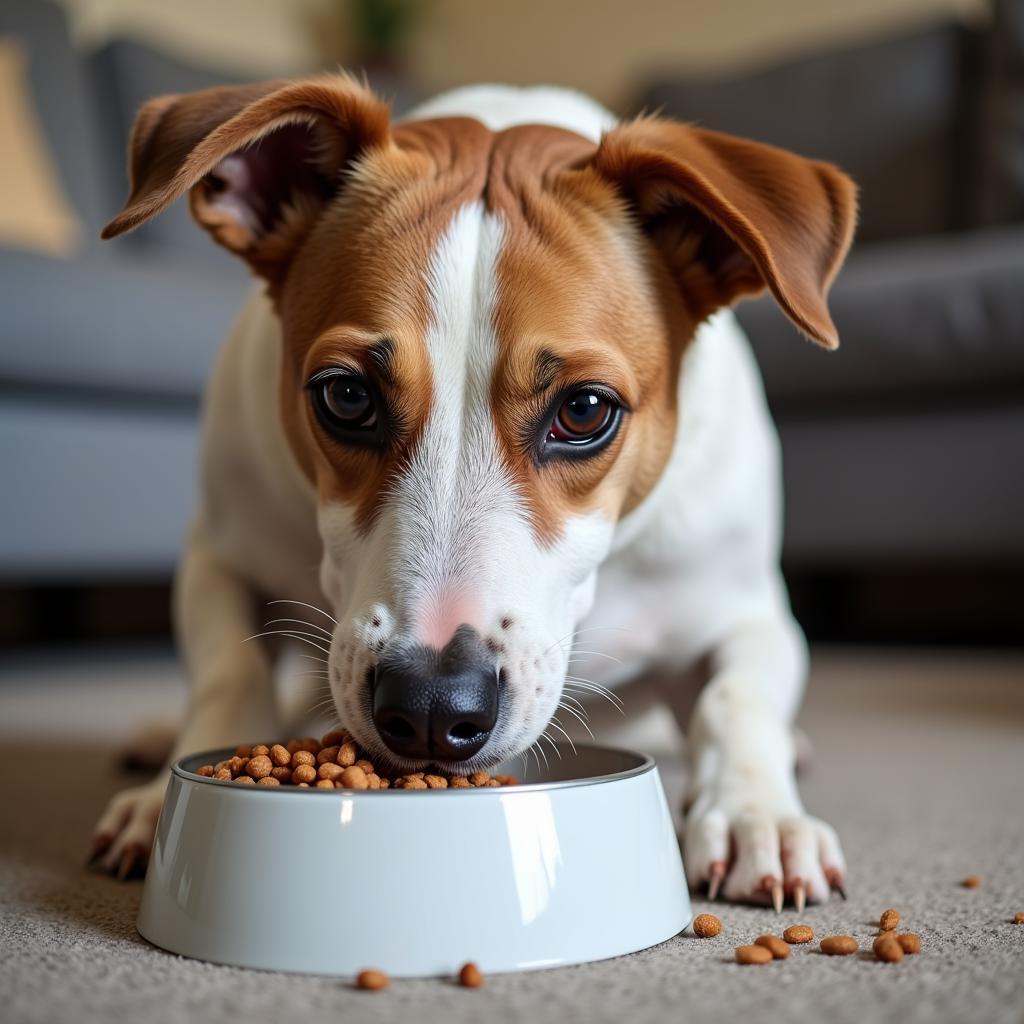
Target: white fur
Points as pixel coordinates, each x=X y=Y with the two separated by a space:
x=498 y=107
x=691 y=573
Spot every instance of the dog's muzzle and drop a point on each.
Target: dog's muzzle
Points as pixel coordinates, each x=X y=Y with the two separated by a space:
x=437 y=705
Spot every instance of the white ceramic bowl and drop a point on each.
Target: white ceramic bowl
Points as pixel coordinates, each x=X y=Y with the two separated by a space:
x=578 y=865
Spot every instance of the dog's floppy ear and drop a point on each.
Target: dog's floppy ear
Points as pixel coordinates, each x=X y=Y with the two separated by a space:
x=260 y=160
x=733 y=217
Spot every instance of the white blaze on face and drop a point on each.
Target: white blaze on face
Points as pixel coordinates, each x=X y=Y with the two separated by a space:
x=453 y=544
x=455 y=502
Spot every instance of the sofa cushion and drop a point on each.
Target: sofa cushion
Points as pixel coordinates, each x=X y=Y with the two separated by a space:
x=144 y=327
x=63 y=103
x=34 y=210
x=887 y=112
x=938 y=316
x=94 y=491
x=904 y=486
x=127 y=74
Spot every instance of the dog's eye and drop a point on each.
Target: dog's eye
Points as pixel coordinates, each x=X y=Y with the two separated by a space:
x=344 y=402
x=583 y=418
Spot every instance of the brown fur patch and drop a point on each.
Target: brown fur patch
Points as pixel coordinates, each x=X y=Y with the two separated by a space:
x=362 y=277
x=578 y=281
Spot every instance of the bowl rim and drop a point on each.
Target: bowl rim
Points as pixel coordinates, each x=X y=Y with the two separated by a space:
x=645 y=764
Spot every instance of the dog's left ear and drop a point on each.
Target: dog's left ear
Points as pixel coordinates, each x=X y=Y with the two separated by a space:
x=259 y=161
x=733 y=216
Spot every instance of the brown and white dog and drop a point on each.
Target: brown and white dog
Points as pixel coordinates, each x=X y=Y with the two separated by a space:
x=483 y=404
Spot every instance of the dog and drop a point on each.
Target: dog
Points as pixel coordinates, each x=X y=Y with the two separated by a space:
x=489 y=398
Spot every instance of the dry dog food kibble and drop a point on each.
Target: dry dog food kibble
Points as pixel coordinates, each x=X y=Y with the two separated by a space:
x=887 y=948
x=778 y=949
x=798 y=934
x=971 y=882
x=334 y=762
x=259 y=767
x=1018 y=918
x=909 y=942
x=839 y=945
x=753 y=955
x=372 y=981
x=889 y=920
x=706 y=926
x=470 y=976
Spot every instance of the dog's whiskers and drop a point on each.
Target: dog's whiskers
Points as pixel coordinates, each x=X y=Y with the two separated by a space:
x=569 y=696
x=294 y=634
x=600 y=687
x=326 y=703
x=555 y=724
x=302 y=622
x=305 y=604
x=554 y=746
x=320 y=705
x=578 y=717
x=596 y=689
x=593 y=654
x=572 y=634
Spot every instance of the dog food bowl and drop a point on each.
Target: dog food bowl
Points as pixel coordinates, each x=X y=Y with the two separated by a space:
x=578 y=863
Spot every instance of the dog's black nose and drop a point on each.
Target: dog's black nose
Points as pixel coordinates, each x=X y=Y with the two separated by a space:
x=440 y=705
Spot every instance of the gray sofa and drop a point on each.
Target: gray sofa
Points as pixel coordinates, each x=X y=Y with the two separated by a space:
x=102 y=356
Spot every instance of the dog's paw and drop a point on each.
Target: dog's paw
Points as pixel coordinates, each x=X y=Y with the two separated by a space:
x=123 y=837
x=757 y=857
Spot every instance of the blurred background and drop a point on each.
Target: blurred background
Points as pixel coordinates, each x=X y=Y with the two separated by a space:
x=904 y=451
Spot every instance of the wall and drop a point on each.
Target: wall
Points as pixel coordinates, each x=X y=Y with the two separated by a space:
x=600 y=47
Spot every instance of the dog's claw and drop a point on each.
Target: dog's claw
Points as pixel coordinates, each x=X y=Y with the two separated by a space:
x=131 y=861
x=836 y=881
x=799 y=897
x=715 y=876
x=770 y=884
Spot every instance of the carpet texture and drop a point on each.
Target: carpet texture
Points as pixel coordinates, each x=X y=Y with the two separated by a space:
x=919 y=763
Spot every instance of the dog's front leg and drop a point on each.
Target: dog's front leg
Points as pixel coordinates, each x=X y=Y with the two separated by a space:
x=746 y=830
x=230 y=697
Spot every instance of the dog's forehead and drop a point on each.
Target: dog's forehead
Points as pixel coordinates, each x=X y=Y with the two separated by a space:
x=367 y=260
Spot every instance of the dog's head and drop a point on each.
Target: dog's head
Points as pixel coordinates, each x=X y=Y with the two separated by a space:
x=482 y=337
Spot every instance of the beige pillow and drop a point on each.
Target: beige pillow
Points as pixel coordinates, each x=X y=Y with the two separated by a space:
x=34 y=212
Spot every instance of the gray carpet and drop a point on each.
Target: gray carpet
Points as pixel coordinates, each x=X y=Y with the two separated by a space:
x=919 y=763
